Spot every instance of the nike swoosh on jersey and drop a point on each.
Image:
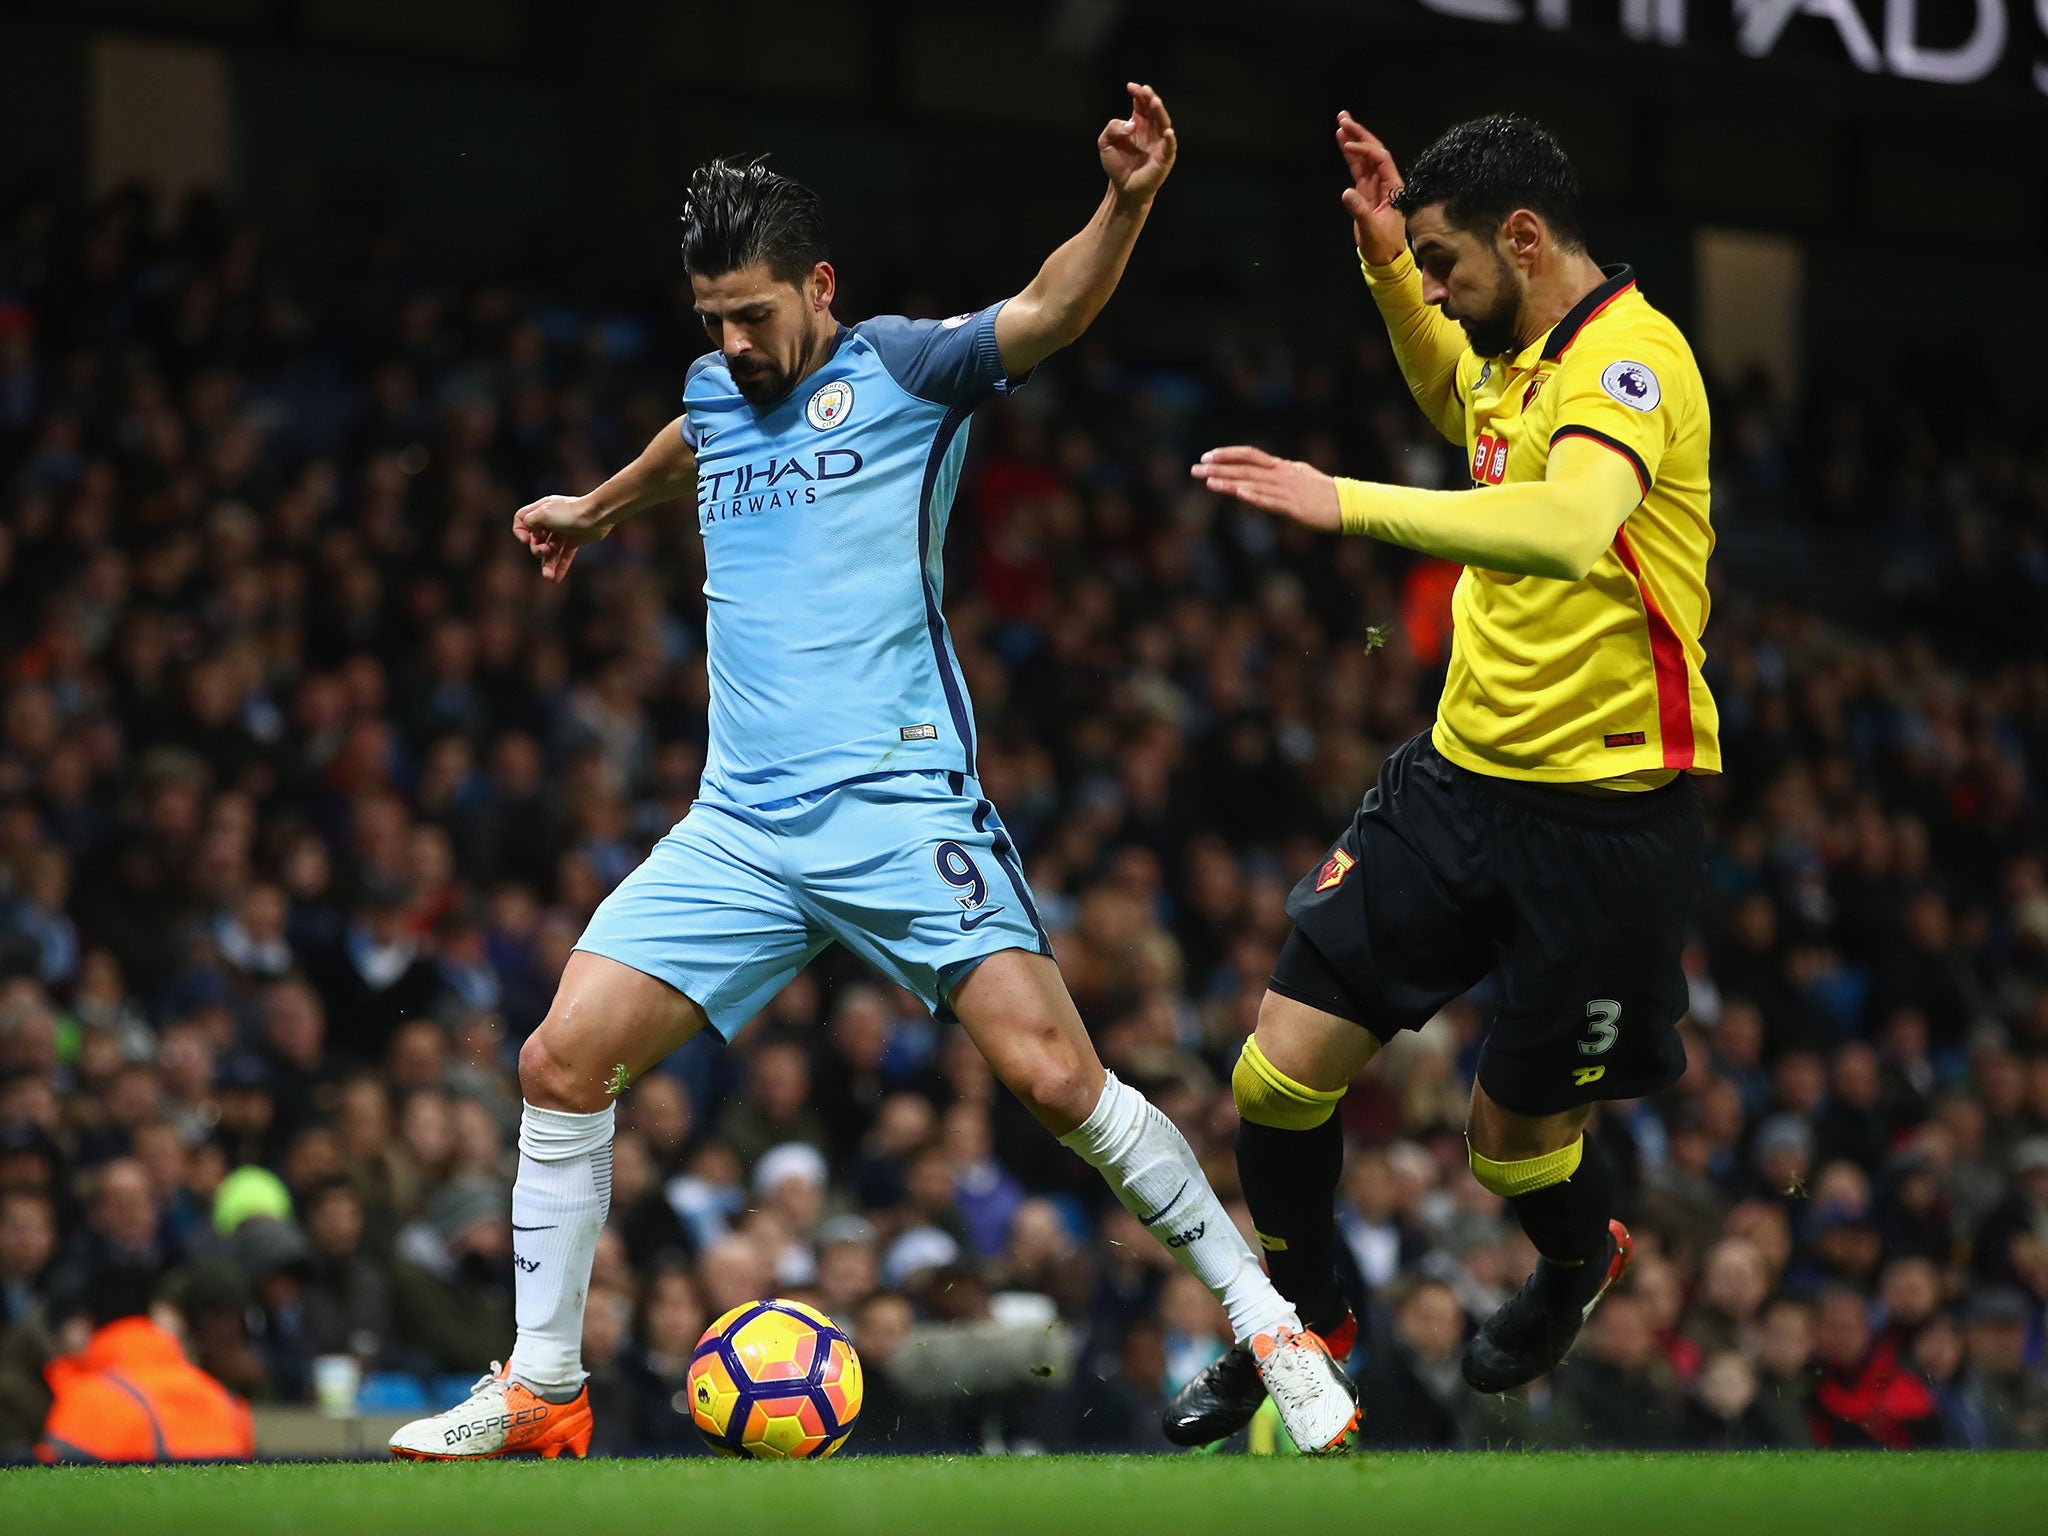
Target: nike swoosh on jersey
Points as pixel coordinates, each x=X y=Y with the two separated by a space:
x=548 y=1228
x=1146 y=1221
x=969 y=921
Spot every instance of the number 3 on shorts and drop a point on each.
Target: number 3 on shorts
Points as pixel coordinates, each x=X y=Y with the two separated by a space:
x=1602 y=1028
x=958 y=869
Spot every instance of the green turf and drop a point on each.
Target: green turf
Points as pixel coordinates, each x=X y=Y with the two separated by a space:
x=1574 y=1495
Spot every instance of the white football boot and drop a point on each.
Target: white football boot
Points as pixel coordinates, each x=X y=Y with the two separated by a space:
x=1316 y=1400
x=500 y=1417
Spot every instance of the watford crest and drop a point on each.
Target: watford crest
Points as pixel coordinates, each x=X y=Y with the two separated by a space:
x=1335 y=868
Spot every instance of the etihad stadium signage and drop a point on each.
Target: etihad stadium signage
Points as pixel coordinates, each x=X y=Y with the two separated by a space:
x=1946 y=42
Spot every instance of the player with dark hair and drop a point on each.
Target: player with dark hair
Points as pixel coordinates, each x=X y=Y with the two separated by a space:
x=1547 y=830
x=839 y=797
x=735 y=216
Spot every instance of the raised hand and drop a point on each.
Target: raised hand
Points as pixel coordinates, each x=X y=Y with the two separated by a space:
x=1137 y=151
x=1286 y=486
x=1376 y=224
x=554 y=528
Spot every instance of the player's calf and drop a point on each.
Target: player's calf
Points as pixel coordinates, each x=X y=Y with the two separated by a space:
x=1290 y=1155
x=1016 y=1009
x=1557 y=1183
x=607 y=1023
x=1562 y=1196
x=1155 y=1175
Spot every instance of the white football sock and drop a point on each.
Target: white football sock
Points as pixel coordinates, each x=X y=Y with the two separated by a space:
x=1154 y=1173
x=559 y=1205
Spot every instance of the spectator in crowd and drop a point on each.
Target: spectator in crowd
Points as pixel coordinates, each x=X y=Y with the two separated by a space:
x=1865 y=1398
x=1419 y=1399
x=347 y=1295
x=451 y=1289
x=1618 y=1392
x=28 y=1248
x=1998 y=1402
x=2012 y=1244
x=130 y=1394
x=774 y=1106
x=671 y=1322
x=1726 y=1412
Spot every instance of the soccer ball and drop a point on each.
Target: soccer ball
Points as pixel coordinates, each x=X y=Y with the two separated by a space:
x=775 y=1380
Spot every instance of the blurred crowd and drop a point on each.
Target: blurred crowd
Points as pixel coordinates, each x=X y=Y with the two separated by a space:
x=308 y=783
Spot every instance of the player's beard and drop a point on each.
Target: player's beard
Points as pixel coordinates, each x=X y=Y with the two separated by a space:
x=759 y=381
x=1492 y=333
x=762 y=381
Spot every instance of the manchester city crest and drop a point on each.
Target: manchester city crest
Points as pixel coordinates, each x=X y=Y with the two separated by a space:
x=831 y=405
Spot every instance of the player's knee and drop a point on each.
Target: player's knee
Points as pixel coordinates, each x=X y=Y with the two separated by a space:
x=1064 y=1092
x=1501 y=1135
x=1058 y=1087
x=1267 y=1096
x=546 y=1081
x=1512 y=1176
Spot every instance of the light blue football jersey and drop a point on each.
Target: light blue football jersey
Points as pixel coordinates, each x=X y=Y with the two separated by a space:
x=824 y=520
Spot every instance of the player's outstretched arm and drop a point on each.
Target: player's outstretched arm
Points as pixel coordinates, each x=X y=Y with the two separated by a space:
x=555 y=527
x=1426 y=345
x=1556 y=527
x=1078 y=278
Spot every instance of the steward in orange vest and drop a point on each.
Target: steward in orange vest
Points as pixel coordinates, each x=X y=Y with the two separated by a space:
x=131 y=1395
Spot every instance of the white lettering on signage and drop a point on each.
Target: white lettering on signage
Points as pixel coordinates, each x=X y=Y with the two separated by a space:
x=1761 y=24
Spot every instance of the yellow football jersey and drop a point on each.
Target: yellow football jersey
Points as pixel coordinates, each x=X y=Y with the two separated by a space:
x=1597 y=679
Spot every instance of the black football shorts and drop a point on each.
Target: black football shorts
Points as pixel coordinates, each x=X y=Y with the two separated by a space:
x=1577 y=903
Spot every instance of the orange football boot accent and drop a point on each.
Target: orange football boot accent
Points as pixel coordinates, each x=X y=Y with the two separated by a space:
x=1618 y=1266
x=1341 y=1340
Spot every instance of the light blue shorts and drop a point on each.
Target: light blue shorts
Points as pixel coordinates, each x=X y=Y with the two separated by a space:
x=913 y=872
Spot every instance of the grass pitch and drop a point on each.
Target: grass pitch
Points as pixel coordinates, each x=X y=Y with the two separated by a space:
x=1498 y=1495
